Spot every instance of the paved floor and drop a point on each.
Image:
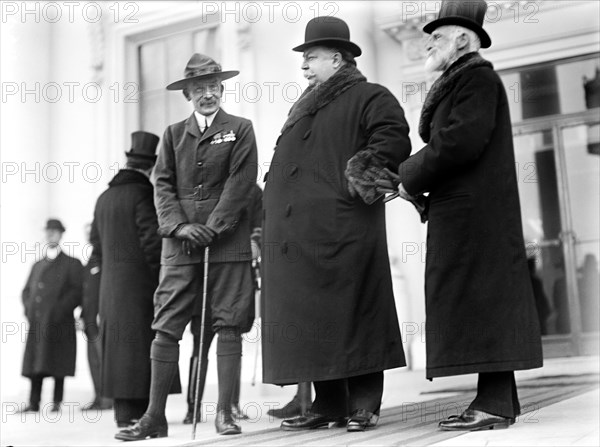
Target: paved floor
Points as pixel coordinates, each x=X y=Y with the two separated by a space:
x=573 y=421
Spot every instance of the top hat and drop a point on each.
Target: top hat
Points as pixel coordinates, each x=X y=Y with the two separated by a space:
x=55 y=224
x=201 y=67
x=328 y=31
x=143 y=145
x=466 y=13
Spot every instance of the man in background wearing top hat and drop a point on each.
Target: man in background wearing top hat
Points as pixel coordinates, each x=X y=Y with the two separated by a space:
x=481 y=315
x=206 y=168
x=328 y=310
x=52 y=292
x=127 y=249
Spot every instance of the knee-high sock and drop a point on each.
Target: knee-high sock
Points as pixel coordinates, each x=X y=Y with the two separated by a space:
x=229 y=355
x=164 y=355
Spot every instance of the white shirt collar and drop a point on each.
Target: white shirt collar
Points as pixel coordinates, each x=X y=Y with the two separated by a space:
x=202 y=118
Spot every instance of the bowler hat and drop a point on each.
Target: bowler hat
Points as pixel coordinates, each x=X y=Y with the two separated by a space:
x=55 y=224
x=466 y=13
x=143 y=145
x=328 y=31
x=201 y=67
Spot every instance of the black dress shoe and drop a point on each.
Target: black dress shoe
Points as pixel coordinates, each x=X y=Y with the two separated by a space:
x=146 y=427
x=237 y=413
x=361 y=420
x=472 y=420
x=309 y=421
x=225 y=424
x=31 y=408
x=289 y=410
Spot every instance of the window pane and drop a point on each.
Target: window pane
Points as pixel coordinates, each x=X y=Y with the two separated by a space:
x=179 y=51
x=152 y=66
x=579 y=84
x=153 y=112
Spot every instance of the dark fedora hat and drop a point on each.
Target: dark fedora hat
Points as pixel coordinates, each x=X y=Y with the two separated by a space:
x=328 y=31
x=143 y=146
x=466 y=13
x=201 y=67
x=55 y=224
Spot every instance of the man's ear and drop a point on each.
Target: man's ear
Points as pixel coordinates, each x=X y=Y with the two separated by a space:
x=337 y=59
x=186 y=94
x=462 y=41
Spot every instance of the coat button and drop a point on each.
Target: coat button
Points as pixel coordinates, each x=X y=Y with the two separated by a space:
x=40 y=285
x=307 y=134
x=199 y=164
x=288 y=210
x=284 y=248
x=38 y=299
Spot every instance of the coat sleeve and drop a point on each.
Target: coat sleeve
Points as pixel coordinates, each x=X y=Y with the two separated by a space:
x=384 y=123
x=164 y=177
x=73 y=291
x=147 y=229
x=25 y=295
x=96 y=256
x=243 y=166
x=463 y=138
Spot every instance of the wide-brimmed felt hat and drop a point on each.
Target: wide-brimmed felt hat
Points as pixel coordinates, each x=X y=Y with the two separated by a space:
x=201 y=67
x=328 y=31
x=143 y=146
x=467 y=13
x=55 y=224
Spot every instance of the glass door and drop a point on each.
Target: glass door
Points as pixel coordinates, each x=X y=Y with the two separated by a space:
x=558 y=167
x=580 y=153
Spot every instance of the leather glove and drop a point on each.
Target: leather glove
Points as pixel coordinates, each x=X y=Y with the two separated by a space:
x=197 y=234
x=388 y=185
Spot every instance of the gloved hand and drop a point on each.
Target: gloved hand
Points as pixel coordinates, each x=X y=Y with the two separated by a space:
x=197 y=234
x=389 y=184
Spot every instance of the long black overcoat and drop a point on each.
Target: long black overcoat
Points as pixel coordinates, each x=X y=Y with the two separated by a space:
x=480 y=308
x=328 y=309
x=52 y=292
x=126 y=243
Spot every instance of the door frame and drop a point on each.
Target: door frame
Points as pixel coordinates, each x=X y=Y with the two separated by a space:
x=577 y=342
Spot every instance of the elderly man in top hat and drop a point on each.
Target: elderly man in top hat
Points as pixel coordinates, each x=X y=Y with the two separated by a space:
x=329 y=315
x=206 y=168
x=52 y=292
x=127 y=248
x=481 y=315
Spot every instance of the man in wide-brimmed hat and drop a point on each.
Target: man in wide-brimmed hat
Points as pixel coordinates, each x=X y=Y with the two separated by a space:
x=328 y=310
x=127 y=250
x=206 y=168
x=481 y=315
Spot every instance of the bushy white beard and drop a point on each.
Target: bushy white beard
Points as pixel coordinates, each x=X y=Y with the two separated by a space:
x=441 y=59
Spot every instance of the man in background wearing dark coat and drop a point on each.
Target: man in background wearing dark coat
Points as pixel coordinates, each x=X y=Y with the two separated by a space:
x=51 y=294
x=328 y=313
x=90 y=303
x=127 y=246
x=480 y=309
x=206 y=168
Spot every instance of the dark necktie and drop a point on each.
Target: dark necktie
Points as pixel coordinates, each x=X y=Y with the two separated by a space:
x=205 y=126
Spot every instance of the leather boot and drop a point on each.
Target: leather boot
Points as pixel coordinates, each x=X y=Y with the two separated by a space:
x=225 y=424
x=146 y=427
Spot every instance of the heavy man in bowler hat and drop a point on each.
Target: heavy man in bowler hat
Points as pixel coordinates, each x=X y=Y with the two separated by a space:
x=326 y=271
x=481 y=315
x=127 y=247
x=206 y=168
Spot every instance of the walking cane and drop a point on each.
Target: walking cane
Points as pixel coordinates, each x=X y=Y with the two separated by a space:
x=198 y=366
